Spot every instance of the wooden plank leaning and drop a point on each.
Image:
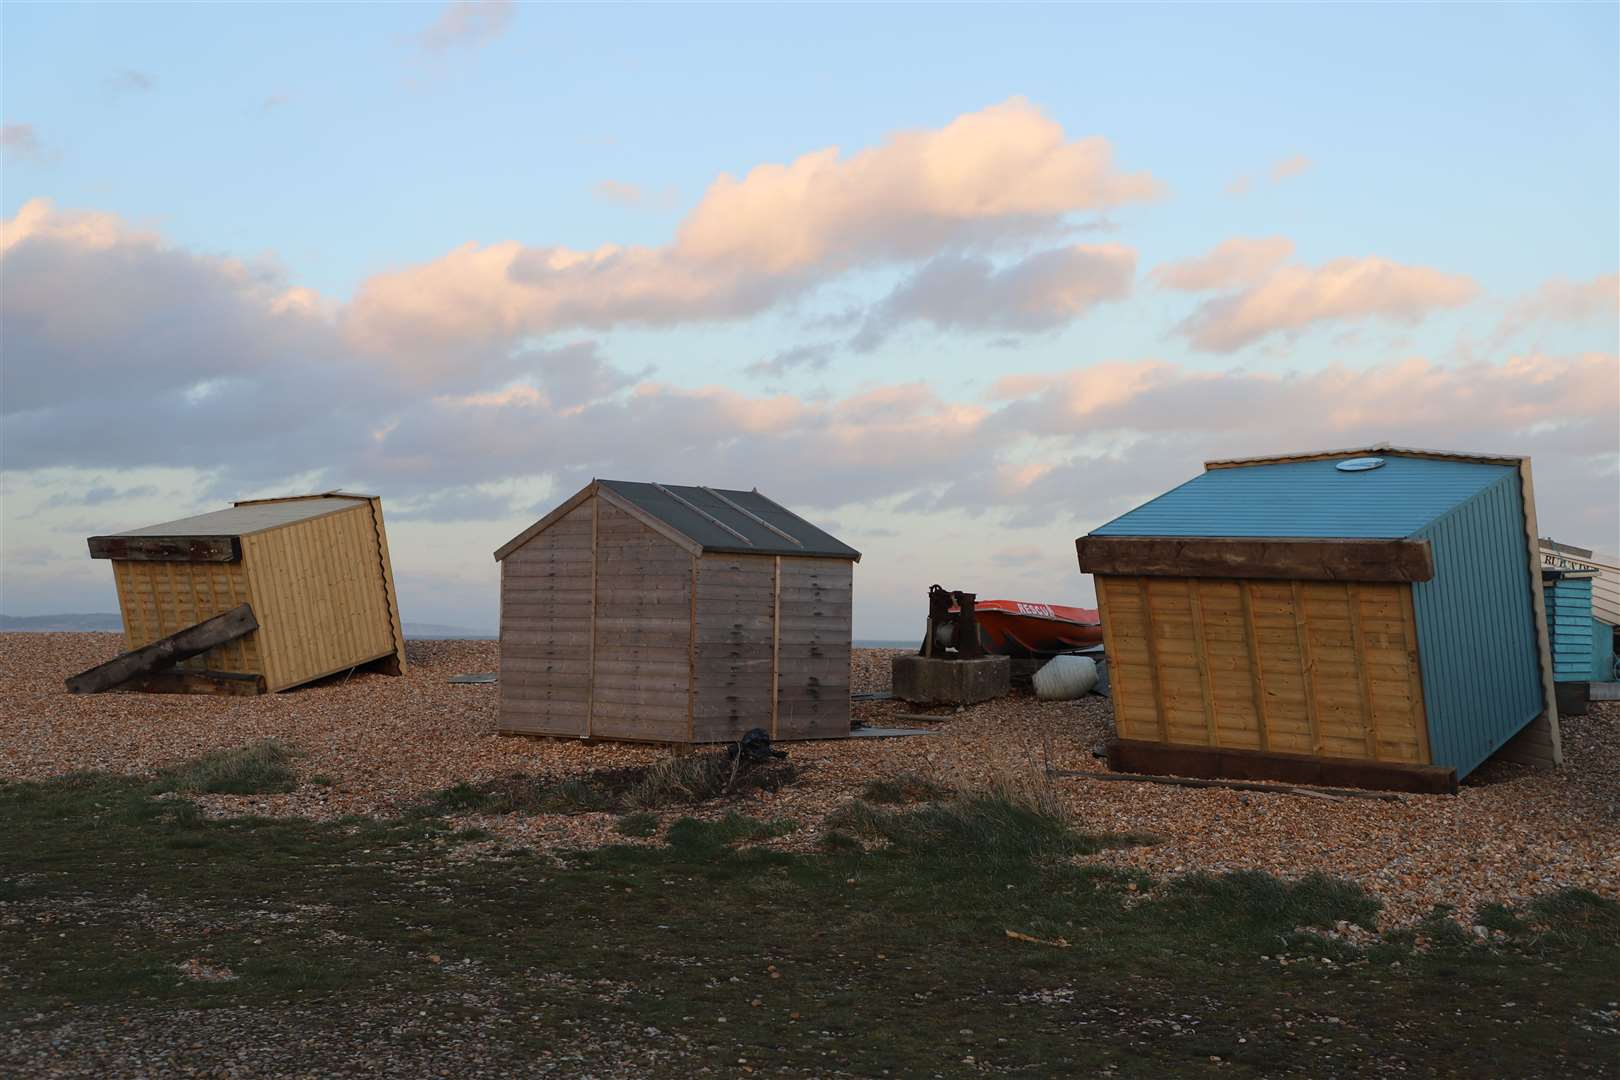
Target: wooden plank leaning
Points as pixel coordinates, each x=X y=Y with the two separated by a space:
x=166 y=652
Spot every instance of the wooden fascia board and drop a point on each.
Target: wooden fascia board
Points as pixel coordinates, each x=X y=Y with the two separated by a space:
x=1360 y=451
x=302 y=498
x=1276 y=558
x=1538 y=606
x=207 y=549
x=546 y=522
x=662 y=528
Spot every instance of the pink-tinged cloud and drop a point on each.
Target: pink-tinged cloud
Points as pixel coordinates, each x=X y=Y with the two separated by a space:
x=1293 y=299
x=468 y=24
x=1003 y=168
x=1006 y=173
x=1290 y=166
x=1562 y=300
x=1235 y=262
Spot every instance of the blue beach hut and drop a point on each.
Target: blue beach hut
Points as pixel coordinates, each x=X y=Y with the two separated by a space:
x=1371 y=617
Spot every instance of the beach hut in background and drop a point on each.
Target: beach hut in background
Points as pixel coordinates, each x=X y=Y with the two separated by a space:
x=263 y=596
x=663 y=613
x=1369 y=617
x=1582 y=647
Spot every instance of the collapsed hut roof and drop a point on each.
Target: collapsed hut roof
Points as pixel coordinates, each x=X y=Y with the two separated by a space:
x=251 y=516
x=708 y=519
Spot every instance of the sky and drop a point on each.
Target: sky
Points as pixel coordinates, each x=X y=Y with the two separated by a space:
x=958 y=283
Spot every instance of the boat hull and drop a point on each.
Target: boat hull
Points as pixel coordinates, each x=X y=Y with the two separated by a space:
x=1027 y=631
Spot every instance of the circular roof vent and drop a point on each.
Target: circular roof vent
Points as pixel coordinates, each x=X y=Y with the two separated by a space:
x=1360 y=464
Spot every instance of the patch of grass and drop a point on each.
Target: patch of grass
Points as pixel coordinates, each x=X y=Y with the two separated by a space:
x=678 y=780
x=685 y=779
x=1001 y=825
x=1249 y=896
x=639 y=824
x=692 y=835
x=902 y=789
x=259 y=768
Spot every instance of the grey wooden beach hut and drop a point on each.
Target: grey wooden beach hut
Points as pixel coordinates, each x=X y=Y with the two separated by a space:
x=677 y=614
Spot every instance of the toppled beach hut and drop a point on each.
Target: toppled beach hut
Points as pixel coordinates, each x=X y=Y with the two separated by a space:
x=266 y=595
x=1368 y=617
x=666 y=613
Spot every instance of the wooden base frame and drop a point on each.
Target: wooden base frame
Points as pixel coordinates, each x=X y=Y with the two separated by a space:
x=210 y=683
x=1170 y=759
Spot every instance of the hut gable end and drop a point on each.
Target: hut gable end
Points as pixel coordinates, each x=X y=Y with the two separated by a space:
x=624 y=615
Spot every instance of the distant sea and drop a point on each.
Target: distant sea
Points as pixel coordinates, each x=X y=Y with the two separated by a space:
x=111 y=623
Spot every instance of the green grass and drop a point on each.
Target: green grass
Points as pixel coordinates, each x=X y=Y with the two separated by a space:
x=256 y=769
x=678 y=780
x=903 y=788
x=888 y=951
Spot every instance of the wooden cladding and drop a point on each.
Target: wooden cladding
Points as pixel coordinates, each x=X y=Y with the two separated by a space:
x=167 y=548
x=609 y=629
x=1285 y=667
x=1257 y=557
x=321 y=588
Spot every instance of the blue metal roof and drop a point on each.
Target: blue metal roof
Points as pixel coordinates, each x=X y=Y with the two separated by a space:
x=1312 y=499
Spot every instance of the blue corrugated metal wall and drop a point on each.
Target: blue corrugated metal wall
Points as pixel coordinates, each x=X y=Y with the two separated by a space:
x=1569 y=626
x=1312 y=498
x=1476 y=629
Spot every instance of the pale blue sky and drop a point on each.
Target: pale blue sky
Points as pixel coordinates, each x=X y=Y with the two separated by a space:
x=1477 y=140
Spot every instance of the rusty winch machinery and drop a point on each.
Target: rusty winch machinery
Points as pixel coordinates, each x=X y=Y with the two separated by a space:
x=953 y=628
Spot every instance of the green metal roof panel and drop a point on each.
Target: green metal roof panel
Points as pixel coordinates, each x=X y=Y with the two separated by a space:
x=1312 y=499
x=725 y=520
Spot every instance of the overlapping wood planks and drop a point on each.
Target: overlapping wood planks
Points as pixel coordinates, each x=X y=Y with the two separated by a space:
x=814 y=642
x=162 y=598
x=735 y=657
x=1284 y=667
x=546 y=629
x=642 y=672
x=319 y=588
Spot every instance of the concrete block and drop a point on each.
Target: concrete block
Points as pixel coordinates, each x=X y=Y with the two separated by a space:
x=928 y=680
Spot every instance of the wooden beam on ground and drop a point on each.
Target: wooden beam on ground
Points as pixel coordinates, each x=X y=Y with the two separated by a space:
x=167 y=548
x=1212 y=763
x=1234 y=785
x=211 y=683
x=1274 y=558
x=166 y=652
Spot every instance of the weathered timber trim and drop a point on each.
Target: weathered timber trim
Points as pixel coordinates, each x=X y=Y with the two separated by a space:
x=167 y=548
x=211 y=683
x=776 y=641
x=396 y=627
x=1168 y=759
x=166 y=652
x=1548 y=733
x=546 y=522
x=590 y=653
x=1366 y=451
x=1274 y=558
x=691 y=657
x=657 y=525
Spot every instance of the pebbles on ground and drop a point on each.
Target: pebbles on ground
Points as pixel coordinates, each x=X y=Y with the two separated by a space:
x=370 y=744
